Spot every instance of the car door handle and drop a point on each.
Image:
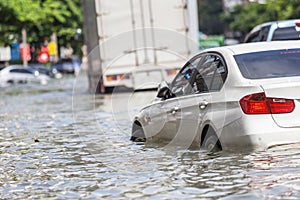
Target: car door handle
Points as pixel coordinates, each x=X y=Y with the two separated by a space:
x=203 y=105
x=175 y=110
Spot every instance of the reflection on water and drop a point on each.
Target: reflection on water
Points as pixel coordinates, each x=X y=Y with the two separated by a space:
x=60 y=144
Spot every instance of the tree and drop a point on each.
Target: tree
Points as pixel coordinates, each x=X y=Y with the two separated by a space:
x=209 y=16
x=244 y=18
x=40 y=18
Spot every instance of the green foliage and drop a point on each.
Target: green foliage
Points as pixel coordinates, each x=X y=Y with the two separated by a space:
x=209 y=12
x=40 y=18
x=244 y=18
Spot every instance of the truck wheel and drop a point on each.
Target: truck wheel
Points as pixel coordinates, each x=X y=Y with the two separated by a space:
x=107 y=90
x=211 y=142
x=138 y=136
x=102 y=89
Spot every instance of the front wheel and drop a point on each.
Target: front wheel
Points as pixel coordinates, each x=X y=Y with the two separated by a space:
x=138 y=136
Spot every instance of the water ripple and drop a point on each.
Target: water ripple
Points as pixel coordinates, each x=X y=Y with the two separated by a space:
x=53 y=149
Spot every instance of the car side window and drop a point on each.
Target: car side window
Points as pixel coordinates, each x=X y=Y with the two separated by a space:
x=20 y=71
x=252 y=37
x=14 y=71
x=264 y=33
x=211 y=74
x=26 y=71
x=181 y=84
x=260 y=35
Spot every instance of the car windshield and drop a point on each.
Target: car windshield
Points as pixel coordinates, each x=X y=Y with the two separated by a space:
x=269 y=64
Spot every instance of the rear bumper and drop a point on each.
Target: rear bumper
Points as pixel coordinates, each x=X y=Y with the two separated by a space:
x=259 y=133
x=140 y=78
x=263 y=140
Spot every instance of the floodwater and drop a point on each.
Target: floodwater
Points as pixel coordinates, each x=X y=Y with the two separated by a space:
x=58 y=142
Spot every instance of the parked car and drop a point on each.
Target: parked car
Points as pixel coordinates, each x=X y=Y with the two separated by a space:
x=49 y=71
x=240 y=96
x=19 y=74
x=68 y=65
x=276 y=30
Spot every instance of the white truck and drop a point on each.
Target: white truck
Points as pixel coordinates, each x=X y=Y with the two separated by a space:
x=138 y=43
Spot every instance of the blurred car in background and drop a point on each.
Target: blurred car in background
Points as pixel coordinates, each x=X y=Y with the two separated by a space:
x=15 y=74
x=276 y=30
x=68 y=65
x=49 y=71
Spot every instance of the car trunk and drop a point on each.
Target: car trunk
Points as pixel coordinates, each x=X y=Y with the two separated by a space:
x=287 y=90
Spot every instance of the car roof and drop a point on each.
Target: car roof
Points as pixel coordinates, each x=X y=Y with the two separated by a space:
x=256 y=47
x=280 y=23
x=15 y=66
x=287 y=23
x=10 y=67
x=38 y=66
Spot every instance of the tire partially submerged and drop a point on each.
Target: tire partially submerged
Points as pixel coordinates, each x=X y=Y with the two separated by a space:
x=210 y=141
x=137 y=134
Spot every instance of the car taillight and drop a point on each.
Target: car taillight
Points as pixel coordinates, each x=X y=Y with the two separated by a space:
x=172 y=72
x=111 y=78
x=117 y=77
x=260 y=104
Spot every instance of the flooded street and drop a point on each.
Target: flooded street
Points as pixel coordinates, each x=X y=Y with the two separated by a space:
x=58 y=142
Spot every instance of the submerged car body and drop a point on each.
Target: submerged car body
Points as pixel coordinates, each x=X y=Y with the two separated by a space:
x=49 y=71
x=275 y=31
x=19 y=74
x=241 y=96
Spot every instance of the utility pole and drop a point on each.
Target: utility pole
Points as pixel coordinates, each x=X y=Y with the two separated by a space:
x=24 y=44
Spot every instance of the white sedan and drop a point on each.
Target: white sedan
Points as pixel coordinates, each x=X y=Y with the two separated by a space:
x=241 y=96
x=19 y=74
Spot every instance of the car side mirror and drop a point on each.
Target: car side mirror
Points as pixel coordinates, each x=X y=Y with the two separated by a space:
x=164 y=91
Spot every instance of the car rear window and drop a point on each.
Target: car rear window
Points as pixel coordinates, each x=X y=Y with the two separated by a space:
x=289 y=33
x=269 y=64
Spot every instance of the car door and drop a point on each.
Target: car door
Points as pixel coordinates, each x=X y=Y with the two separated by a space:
x=160 y=118
x=18 y=75
x=181 y=88
x=30 y=76
x=200 y=103
x=22 y=75
x=157 y=121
